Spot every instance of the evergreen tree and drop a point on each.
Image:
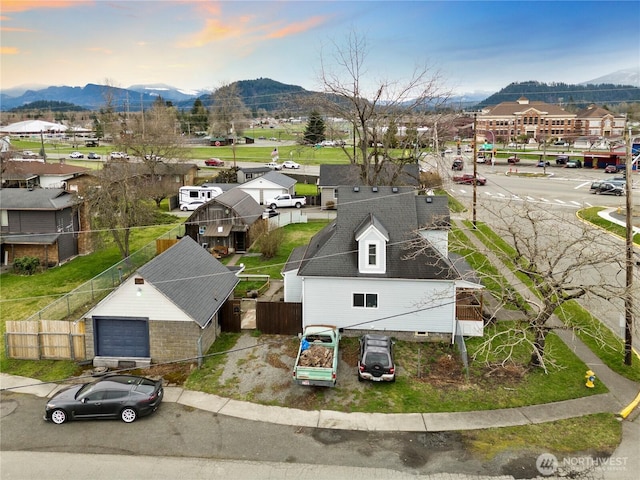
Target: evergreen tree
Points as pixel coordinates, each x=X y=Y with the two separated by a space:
x=314 y=131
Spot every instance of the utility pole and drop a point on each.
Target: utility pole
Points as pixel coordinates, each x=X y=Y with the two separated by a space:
x=628 y=299
x=475 y=167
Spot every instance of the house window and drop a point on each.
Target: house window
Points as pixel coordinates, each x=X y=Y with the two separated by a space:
x=372 y=254
x=4 y=218
x=365 y=300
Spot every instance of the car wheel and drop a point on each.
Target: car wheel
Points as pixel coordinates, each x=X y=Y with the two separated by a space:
x=184 y=209
x=298 y=205
x=128 y=415
x=360 y=379
x=59 y=416
x=273 y=206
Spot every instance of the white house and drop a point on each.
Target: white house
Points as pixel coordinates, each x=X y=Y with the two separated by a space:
x=364 y=272
x=268 y=186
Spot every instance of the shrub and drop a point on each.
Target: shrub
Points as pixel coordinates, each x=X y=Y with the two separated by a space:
x=270 y=241
x=330 y=205
x=26 y=265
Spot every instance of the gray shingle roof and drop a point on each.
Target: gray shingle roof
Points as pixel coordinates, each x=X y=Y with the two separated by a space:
x=36 y=199
x=333 y=251
x=191 y=278
x=277 y=178
x=242 y=203
x=334 y=175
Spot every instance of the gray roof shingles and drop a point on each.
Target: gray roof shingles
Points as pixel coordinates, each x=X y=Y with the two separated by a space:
x=333 y=251
x=35 y=199
x=191 y=278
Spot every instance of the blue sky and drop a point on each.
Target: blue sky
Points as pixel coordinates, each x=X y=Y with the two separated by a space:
x=474 y=45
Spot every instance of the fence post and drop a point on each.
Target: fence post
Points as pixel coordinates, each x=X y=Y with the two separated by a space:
x=68 y=306
x=71 y=352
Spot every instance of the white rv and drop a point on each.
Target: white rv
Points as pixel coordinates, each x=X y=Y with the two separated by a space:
x=190 y=193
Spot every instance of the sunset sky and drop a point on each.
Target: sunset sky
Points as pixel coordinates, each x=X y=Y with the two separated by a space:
x=476 y=45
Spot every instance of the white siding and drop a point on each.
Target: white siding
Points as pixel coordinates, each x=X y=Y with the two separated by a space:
x=439 y=239
x=403 y=305
x=126 y=302
x=292 y=286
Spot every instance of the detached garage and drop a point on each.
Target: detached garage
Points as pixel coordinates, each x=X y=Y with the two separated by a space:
x=166 y=311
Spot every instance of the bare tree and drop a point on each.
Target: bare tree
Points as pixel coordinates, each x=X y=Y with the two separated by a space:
x=228 y=112
x=370 y=110
x=562 y=261
x=118 y=204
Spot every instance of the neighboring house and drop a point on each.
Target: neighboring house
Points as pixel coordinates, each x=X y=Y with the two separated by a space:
x=331 y=176
x=535 y=120
x=363 y=272
x=41 y=222
x=176 y=174
x=36 y=173
x=597 y=122
x=251 y=173
x=225 y=221
x=166 y=311
x=268 y=186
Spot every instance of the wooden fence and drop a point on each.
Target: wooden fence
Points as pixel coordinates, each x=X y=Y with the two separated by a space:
x=45 y=339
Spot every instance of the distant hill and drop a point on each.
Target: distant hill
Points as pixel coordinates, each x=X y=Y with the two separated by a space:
x=89 y=97
x=52 y=105
x=574 y=96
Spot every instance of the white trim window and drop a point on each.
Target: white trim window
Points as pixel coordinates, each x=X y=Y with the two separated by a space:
x=365 y=300
x=372 y=257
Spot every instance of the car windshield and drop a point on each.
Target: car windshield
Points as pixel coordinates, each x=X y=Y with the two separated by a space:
x=380 y=358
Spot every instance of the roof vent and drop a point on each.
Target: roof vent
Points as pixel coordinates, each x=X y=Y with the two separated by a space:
x=356 y=189
x=429 y=199
x=374 y=189
x=394 y=189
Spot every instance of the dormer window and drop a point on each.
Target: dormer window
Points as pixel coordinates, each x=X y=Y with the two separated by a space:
x=372 y=240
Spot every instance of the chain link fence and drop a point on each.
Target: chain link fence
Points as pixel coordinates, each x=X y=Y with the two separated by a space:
x=77 y=302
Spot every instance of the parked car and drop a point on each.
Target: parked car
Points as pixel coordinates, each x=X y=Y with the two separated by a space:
x=274 y=165
x=573 y=164
x=118 y=155
x=214 y=162
x=93 y=156
x=76 y=155
x=608 y=188
x=561 y=144
x=611 y=169
x=468 y=149
x=375 y=359
x=113 y=396
x=458 y=164
x=29 y=154
x=562 y=159
x=290 y=164
x=543 y=163
x=187 y=207
x=448 y=150
x=513 y=159
x=481 y=158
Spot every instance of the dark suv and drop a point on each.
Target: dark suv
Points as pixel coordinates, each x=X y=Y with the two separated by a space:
x=375 y=359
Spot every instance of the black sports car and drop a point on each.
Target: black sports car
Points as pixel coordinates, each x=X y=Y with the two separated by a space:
x=113 y=396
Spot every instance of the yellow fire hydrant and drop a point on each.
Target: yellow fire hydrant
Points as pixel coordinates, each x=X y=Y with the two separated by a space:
x=590 y=376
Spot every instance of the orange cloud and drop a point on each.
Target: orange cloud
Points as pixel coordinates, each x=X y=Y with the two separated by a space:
x=298 y=27
x=14 y=29
x=9 y=51
x=26 y=5
x=213 y=30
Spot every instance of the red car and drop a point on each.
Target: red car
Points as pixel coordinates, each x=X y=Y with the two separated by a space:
x=513 y=159
x=611 y=169
x=467 y=178
x=214 y=162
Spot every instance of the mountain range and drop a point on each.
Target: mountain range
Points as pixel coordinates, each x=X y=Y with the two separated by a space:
x=270 y=95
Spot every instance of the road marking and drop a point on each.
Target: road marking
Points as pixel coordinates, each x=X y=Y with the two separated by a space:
x=582 y=185
x=577 y=204
x=559 y=201
x=531 y=199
